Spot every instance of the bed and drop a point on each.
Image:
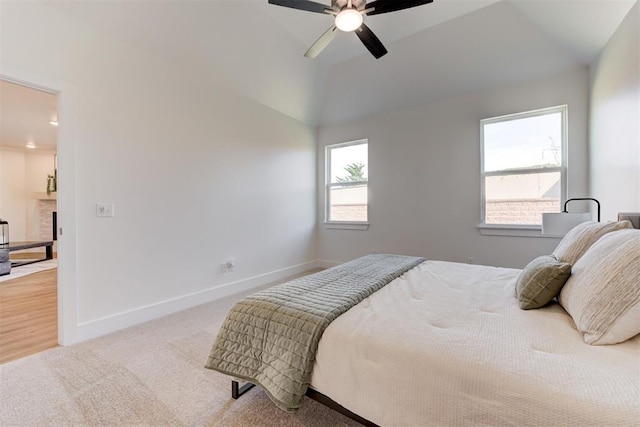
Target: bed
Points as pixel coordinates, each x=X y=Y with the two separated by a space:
x=449 y=344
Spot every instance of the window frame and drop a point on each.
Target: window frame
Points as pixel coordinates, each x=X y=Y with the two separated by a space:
x=347 y=225
x=524 y=229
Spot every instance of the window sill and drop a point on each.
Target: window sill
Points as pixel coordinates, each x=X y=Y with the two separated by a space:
x=513 y=230
x=363 y=226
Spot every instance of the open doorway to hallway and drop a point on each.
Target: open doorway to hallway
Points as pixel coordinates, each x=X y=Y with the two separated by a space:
x=28 y=202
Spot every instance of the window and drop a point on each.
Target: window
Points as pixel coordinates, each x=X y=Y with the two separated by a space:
x=346 y=182
x=523 y=166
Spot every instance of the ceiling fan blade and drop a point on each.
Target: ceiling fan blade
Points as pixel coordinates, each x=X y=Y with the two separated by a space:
x=385 y=6
x=309 y=6
x=322 y=42
x=371 y=42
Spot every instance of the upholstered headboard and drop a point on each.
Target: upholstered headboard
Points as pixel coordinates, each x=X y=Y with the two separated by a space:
x=633 y=217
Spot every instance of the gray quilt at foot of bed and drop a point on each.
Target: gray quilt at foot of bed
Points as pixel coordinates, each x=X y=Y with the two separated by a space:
x=271 y=337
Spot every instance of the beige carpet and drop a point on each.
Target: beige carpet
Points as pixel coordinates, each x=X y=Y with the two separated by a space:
x=148 y=375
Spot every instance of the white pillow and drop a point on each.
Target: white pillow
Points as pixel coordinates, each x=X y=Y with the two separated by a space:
x=603 y=293
x=576 y=242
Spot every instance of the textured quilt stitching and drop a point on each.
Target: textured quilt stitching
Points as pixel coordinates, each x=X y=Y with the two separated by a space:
x=264 y=329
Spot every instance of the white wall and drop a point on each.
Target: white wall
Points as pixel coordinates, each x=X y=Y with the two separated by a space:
x=37 y=167
x=13 y=192
x=424 y=175
x=197 y=174
x=614 y=154
x=22 y=173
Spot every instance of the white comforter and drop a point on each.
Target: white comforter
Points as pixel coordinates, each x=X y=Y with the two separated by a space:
x=447 y=345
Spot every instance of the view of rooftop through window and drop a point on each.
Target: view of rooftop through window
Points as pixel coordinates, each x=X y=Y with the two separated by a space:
x=532 y=142
x=523 y=166
x=348 y=175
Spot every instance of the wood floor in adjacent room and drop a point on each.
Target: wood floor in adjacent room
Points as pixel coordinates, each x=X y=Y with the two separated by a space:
x=28 y=315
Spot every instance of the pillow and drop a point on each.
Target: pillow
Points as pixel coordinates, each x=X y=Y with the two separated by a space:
x=582 y=236
x=540 y=281
x=603 y=293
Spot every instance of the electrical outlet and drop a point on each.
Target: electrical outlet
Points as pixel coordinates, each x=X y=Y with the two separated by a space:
x=104 y=210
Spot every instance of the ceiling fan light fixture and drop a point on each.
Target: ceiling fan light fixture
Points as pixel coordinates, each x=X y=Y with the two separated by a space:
x=349 y=20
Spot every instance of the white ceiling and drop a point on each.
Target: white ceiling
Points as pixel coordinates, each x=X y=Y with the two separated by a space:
x=436 y=51
x=307 y=27
x=25 y=114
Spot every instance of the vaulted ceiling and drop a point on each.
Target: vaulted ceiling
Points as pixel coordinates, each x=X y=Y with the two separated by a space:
x=436 y=51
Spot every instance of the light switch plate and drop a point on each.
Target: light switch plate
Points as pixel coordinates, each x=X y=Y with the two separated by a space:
x=104 y=210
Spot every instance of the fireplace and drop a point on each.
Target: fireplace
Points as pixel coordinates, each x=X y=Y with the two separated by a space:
x=45 y=218
x=46 y=206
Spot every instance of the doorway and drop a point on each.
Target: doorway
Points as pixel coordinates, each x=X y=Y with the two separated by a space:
x=28 y=200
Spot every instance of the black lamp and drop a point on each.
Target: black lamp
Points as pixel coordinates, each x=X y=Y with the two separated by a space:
x=558 y=224
x=564 y=210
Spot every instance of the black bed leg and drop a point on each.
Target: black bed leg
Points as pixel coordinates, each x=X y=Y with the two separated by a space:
x=328 y=402
x=237 y=391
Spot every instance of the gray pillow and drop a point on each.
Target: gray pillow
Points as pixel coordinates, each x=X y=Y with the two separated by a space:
x=540 y=281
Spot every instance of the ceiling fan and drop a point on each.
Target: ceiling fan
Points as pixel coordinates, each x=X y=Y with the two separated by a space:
x=349 y=17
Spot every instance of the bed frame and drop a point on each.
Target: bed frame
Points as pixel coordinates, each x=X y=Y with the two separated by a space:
x=237 y=391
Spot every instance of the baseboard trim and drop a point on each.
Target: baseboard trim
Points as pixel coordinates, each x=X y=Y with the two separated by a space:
x=115 y=322
x=323 y=263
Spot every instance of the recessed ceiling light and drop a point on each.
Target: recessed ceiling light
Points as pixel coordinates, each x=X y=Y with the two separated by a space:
x=53 y=122
x=31 y=145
